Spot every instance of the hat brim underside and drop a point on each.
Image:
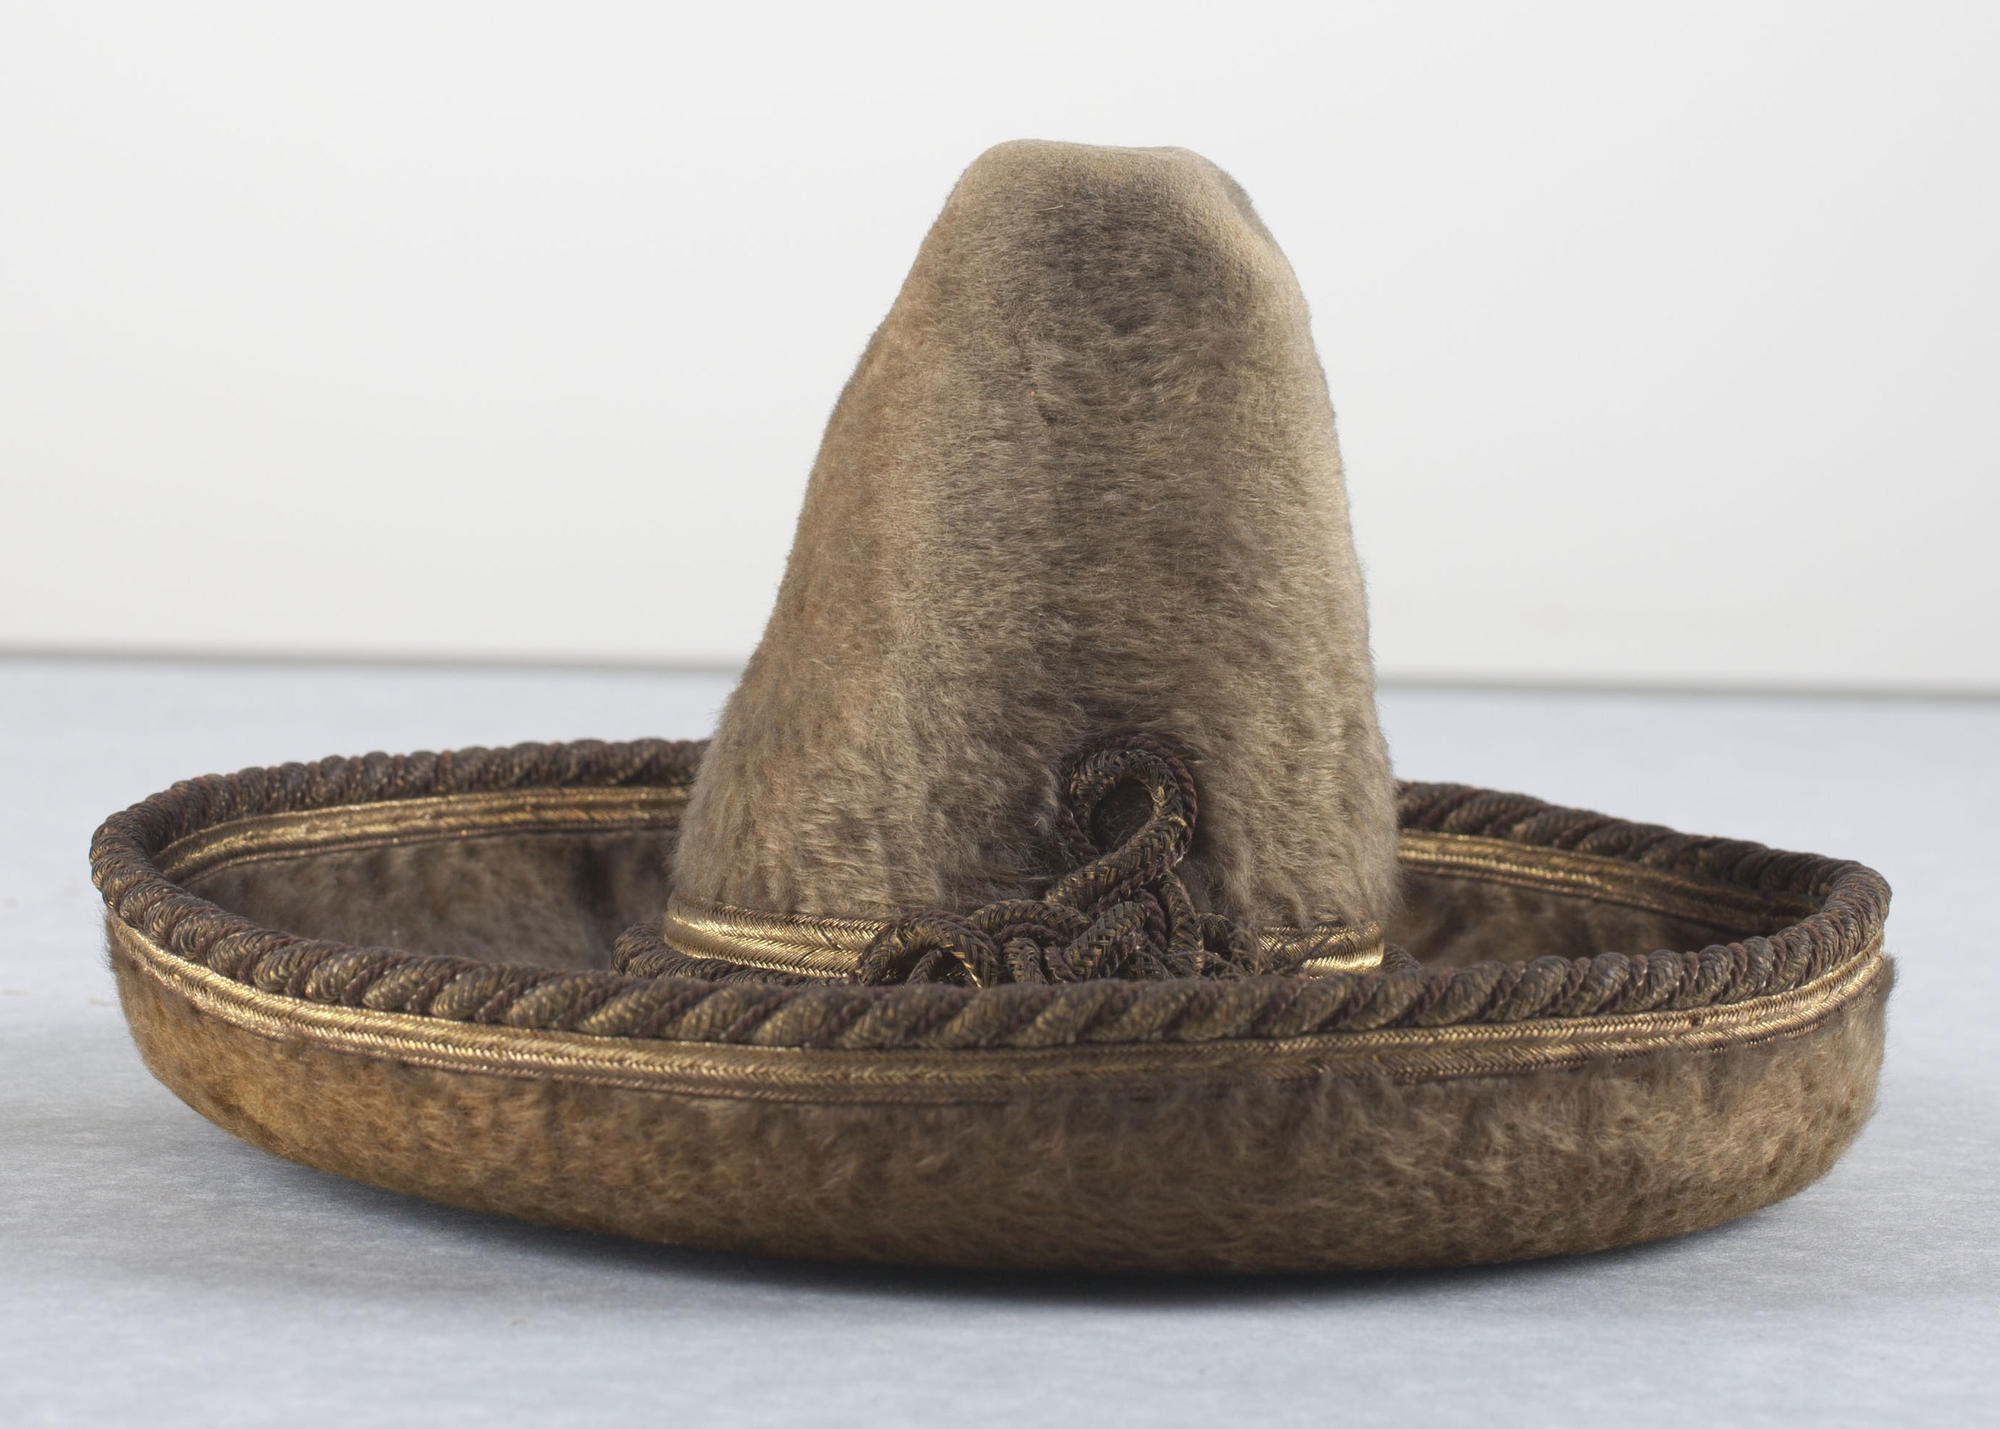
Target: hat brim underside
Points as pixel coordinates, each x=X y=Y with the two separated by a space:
x=397 y=969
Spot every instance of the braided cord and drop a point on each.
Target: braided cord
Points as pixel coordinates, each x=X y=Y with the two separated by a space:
x=687 y=1001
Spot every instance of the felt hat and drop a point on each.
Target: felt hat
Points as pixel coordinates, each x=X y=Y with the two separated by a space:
x=1044 y=897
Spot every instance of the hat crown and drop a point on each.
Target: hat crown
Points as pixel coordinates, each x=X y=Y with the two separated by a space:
x=1084 y=482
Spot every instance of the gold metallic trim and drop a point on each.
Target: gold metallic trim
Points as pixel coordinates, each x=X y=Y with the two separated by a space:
x=1603 y=880
x=343 y=827
x=830 y=947
x=777 y=942
x=934 y=1077
x=1335 y=948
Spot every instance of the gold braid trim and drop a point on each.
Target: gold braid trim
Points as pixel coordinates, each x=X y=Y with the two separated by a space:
x=830 y=949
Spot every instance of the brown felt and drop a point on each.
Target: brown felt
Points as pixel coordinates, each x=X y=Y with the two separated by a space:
x=1083 y=482
x=542 y=899
x=1330 y=1172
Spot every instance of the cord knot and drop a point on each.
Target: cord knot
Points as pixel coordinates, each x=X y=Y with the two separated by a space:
x=1121 y=911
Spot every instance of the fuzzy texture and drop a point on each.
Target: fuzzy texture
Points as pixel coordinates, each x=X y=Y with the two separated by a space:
x=552 y=900
x=1337 y=1172
x=1084 y=482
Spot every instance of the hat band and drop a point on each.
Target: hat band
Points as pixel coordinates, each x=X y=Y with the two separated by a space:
x=830 y=948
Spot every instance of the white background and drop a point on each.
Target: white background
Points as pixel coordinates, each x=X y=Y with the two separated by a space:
x=1665 y=339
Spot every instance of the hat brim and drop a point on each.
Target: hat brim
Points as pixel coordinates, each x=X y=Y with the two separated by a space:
x=397 y=969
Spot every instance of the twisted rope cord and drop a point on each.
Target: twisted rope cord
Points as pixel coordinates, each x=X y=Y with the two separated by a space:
x=1120 y=912
x=1851 y=902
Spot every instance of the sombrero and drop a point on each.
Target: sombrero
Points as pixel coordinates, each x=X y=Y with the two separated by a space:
x=1044 y=897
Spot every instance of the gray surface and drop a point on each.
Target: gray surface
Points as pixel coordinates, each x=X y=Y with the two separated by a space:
x=154 y=1270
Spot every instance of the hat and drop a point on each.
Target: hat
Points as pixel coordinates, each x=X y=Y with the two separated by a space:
x=1044 y=898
